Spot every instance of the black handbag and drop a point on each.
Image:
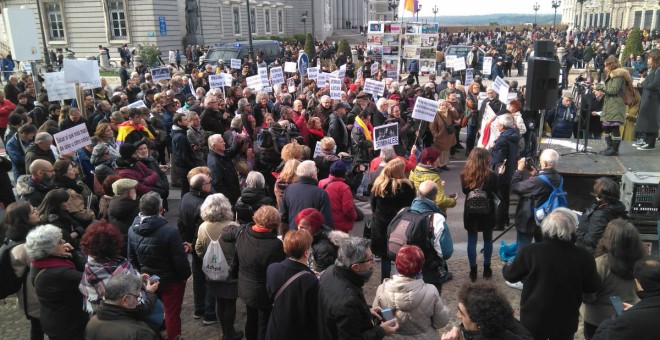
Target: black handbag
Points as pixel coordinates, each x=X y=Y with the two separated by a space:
x=451 y=129
x=233 y=266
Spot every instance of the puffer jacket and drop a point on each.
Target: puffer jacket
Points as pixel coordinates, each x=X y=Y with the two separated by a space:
x=136 y=170
x=250 y=201
x=561 y=120
x=325 y=247
x=423 y=173
x=34 y=152
x=341 y=202
x=416 y=305
x=156 y=248
x=594 y=221
x=614 y=109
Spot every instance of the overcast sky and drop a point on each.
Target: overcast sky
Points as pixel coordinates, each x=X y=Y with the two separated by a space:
x=482 y=7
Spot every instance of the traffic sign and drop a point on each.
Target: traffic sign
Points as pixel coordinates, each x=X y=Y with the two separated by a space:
x=303 y=63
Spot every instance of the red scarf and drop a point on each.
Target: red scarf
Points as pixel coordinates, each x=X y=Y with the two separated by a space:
x=318 y=132
x=258 y=229
x=53 y=262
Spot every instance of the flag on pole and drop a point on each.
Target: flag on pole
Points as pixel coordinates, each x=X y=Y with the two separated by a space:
x=410 y=6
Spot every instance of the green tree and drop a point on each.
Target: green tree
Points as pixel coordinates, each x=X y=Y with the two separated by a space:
x=633 y=44
x=149 y=53
x=344 y=47
x=310 y=50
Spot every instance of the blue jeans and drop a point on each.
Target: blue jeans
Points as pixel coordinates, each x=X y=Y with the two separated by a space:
x=364 y=185
x=472 y=247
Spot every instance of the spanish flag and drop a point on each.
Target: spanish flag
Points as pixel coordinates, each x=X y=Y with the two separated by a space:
x=410 y=6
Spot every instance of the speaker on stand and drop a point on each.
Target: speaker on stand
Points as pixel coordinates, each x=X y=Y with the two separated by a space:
x=542 y=89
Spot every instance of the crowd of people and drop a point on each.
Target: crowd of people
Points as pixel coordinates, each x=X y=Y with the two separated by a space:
x=268 y=182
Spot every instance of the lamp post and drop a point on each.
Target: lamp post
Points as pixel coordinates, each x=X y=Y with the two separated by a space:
x=555 y=5
x=249 y=20
x=536 y=9
x=581 y=2
x=304 y=21
x=435 y=11
x=43 y=37
x=393 y=6
x=419 y=8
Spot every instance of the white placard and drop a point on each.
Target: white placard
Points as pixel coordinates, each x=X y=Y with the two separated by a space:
x=216 y=81
x=228 y=79
x=137 y=105
x=80 y=71
x=342 y=72
x=236 y=64
x=160 y=73
x=318 y=150
x=450 y=60
x=28 y=69
x=386 y=135
x=192 y=87
x=276 y=75
x=374 y=87
x=392 y=74
x=374 y=68
x=263 y=73
x=72 y=139
x=487 y=66
x=58 y=89
x=498 y=83
x=291 y=85
x=459 y=64
x=290 y=67
x=425 y=109
x=94 y=84
x=334 y=74
x=469 y=76
x=335 y=88
x=323 y=77
x=358 y=76
x=254 y=82
x=312 y=73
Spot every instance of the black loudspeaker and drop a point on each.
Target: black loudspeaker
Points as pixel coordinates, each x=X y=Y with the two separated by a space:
x=542 y=84
x=544 y=49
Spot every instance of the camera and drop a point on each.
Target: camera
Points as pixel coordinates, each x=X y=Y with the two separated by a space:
x=529 y=163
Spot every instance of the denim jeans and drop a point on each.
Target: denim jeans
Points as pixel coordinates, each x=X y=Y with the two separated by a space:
x=472 y=247
x=364 y=184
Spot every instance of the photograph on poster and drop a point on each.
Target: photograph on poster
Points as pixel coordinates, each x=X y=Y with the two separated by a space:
x=386 y=135
x=375 y=51
x=429 y=28
x=413 y=39
x=427 y=53
x=411 y=52
x=413 y=29
x=390 y=50
x=390 y=40
x=375 y=27
x=375 y=39
x=428 y=66
x=389 y=63
x=392 y=28
x=429 y=40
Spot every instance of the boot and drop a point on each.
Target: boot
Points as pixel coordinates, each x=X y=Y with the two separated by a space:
x=608 y=142
x=614 y=150
x=487 y=271
x=473 y=274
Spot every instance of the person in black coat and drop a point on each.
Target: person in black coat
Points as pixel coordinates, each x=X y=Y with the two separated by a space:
x=223 y=172
x=337 y=128
x=594 y=220
x=252 y=198
x=183 y=156
x=294 y=313
x=305 y=194
x=555 y=274
x=504 y=152
x=639 y=322
x=257 y=246
x=325 y=242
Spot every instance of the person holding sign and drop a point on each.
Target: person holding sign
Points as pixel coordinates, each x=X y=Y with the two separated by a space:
x=361 y=138
x=442 y=129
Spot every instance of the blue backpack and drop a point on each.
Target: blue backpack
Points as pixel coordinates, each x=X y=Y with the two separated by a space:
x=556 y=199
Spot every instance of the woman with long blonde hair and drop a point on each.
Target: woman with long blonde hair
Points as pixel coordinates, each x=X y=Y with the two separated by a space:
x=286 y=177
x=477 y=175
x=391 y=192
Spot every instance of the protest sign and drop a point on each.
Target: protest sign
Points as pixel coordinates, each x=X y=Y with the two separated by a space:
x=486 y=121
x=80 y=71
x=341 y=73
x=335 y=74
x=228 y=79
x=449 y=61
x=374 y=87
x=335 y=88
x=498 y=83
x=459 y=64
x=276 y=75
x=254 y=82
x=263 y=73
x=503 y=92
x=374 y=68
x=318 y=150
x=28 y=68
x=190 y=84
x=487 y=66
x=392 y=74
x=58 y=89
x=425 y=109
x=312 y=73
x=469 y=76
x=359 y=73
x=290 y=67
x=386 y=135
x=160 y=73
x=72 y=139
x=136 y=105
x=94 y=84
x=236 y=64
x=323 y=77
x=216 y=81
x=291 y=85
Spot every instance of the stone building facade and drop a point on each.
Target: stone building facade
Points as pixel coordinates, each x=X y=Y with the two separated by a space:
x=643 y=14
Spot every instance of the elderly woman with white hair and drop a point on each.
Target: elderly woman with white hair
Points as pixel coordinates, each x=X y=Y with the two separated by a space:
x=442 y=129
x=556 y=274
x=217 y=215
x=56 y=273
x=252 y=197
x=504 y=152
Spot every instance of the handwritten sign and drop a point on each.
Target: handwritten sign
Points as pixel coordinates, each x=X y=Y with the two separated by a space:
x=425 y=109
x=498 y=84
x=323 y=77
x=374 y=68
x=72 y=139
x=335 y=88
x=392 y=74
x=290 y=67
x=386 y=135
x=276 y=75
x=459 y=64
x=228 y=79
x=263 y=73
x=216 y=81
x=374 y=87
x=488 y=65
x=137 y=105
x=312 y=73
x=58 y=89
x=254 y=82
x=450 y=60
x=28 y=69
x=291 y=85
x=236 y=64
x=469 y=76
x=160 y=73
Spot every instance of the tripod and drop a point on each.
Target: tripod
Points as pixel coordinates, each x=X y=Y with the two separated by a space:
x=584 y=121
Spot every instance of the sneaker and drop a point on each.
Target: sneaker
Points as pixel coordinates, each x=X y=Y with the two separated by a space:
x=377 y=258
x=209 y=320
x=639 y=143
x=516 y=285
x=198 y=315
x=646 y=147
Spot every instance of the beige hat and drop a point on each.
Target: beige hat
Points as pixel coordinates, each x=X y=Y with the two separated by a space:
x=124 y=185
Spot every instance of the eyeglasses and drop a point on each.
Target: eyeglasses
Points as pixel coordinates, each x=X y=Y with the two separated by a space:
x=61 y=241
x=51 y=170
x=136 y=296
x=371 y=259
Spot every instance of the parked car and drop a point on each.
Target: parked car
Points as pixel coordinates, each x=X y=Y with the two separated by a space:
x=268 y=49
x=462 y=51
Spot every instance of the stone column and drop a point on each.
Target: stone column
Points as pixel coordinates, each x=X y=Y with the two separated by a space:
x=654 y=19
x=626 y=16
x=642 y=22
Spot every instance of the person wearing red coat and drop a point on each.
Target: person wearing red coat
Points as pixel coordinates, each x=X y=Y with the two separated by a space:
x=341 y=198
x=129 y=167
x=6 y=108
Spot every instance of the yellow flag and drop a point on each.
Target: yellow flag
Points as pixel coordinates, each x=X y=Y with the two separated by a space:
x=410 y=6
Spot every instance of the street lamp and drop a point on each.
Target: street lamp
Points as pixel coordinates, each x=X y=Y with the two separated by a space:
x=536 y=9
x=304 y=21
x=393 y=5
x=555 y=5
x=581 y=2
x=249 y=26
x=435 y=11
x=419 y=8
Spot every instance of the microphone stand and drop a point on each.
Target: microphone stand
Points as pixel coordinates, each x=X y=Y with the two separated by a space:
x=583 y=124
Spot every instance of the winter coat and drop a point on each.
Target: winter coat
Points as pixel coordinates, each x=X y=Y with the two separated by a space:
x=122 y=211
x=255 y=251
x=190 y=217
x=115 y=322
x=475 y=223
x=183 y=155
x=294 y=315
x=594 y=220
x=341 y=202
x=223 y=173
x=555 y=274
x=361 y=148
x=343 y=307
x=561 y=120
x=423 y=173
x=6 y=108
x=639 y=322
x=305 y=194
x=212 y=121
x=442 y=140
x=27 y=295
x=16 y=150
x=416 y=305
x=505 y=149
x=384 y=209
x=34 y=152
x=649 y=110
x=323 y=162
x=198 y=137
x=31 y=190
x=136 y=170
x=226 y=289
x=325 y=246
x=337 y=130
x=532 y=191
x=413 y=66
x=156 y=248
x=250 y=201
x=614 y=109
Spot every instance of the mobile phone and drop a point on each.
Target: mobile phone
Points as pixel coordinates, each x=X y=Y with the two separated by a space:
x=387 y=314
x=154 y=278
x=617 y=303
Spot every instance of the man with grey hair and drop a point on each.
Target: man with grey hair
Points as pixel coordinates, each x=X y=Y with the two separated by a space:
x=34 y=187
x=214 y=118
x=252 y=197
x=117 y=317
x=341 y=300
x=223 y=172
x=532 y=192
x=504 y=152
x=40 y=150
x=305 y=194
x=156 y=248
x=562 y=118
